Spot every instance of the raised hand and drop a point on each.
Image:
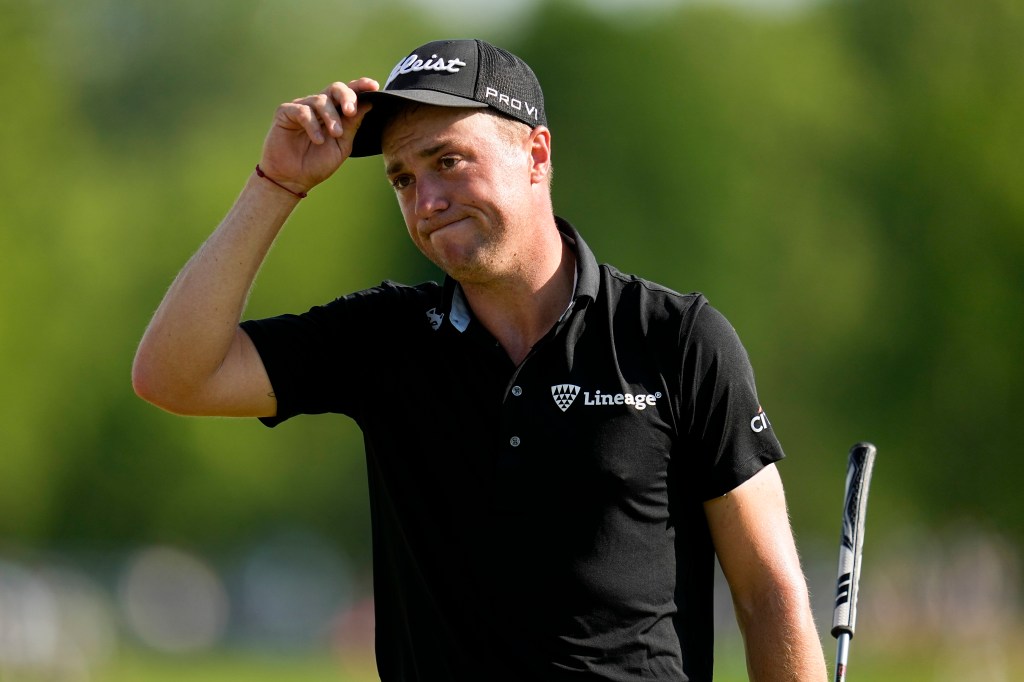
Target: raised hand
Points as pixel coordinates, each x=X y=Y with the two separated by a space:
x=312 y=136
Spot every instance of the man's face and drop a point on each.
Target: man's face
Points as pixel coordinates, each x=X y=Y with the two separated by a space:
x=462 y=178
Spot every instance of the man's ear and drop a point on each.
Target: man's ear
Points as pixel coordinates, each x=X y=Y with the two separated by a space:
x=540 y=154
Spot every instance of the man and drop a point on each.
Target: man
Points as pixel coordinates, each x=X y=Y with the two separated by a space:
x=556 y=451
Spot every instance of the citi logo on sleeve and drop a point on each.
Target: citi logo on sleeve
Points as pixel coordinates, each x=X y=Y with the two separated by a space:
x=565 y=395
x=760 y=422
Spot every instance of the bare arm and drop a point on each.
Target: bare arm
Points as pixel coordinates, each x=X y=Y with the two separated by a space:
x=754 y=542
x=194 y=358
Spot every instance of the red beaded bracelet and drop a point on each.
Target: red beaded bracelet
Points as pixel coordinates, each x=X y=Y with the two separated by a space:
x=259 y=172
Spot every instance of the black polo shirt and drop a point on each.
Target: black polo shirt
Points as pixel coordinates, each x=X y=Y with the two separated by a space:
x=545 y=521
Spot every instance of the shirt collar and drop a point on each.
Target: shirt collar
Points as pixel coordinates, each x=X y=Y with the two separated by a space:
x=459 y=313
x=585 y=282
x=588 y=276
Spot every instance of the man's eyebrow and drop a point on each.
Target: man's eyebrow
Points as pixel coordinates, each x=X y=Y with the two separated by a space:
x=396 y=166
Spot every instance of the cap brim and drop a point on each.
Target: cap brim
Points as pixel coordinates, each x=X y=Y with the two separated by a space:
x=367 y=139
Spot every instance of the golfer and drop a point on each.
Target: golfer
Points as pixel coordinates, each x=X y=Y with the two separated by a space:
x=556 y=451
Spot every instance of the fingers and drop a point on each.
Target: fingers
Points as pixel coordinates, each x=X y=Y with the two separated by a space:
x=346 y=96
x=332 y=112
x=294 y=150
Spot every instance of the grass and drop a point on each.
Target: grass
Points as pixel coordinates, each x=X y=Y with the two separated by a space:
x=915 y=664
x=136 y=666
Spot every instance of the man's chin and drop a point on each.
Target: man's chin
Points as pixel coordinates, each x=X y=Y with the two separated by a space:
x=453 y=244
x=462 y=266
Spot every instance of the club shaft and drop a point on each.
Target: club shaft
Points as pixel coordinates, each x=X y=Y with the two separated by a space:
x=842 y=655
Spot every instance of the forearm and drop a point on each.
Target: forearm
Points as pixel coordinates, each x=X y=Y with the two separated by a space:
x=757 y=552
x=780 y=636
x=195 y=326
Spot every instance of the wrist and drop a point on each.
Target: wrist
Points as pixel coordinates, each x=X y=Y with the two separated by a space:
x=295 y=193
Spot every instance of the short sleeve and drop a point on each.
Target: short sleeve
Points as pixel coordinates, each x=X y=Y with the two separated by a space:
x=729 y=434
x=317 y=360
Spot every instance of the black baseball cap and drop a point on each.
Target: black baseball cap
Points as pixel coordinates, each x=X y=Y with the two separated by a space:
x=453 y=73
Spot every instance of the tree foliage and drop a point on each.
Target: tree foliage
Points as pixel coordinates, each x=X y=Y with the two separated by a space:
x=843 y=182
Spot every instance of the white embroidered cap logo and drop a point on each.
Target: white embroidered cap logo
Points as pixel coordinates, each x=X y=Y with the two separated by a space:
x=414 y=63
x=564 y=395
x=522 y=106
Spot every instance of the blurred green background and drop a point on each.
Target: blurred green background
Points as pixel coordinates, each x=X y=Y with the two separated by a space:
x=844 y=179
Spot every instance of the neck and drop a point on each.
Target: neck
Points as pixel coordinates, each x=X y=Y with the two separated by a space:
x=518 y=310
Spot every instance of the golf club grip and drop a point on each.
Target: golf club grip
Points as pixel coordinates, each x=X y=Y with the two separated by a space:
x=851 y=544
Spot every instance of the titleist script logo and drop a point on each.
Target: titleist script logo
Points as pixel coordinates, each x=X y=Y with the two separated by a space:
x=565 y=395
x=511 y=102
x=413 y=63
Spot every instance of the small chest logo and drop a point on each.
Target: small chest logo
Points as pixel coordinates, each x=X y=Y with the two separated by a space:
x=564 y=395
x=435 y=318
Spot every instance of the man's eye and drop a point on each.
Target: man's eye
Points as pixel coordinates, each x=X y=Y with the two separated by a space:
x=449 y=162
x=401 y=181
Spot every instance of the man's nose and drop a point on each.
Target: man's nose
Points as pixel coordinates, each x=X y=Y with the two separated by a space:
x=431 y=196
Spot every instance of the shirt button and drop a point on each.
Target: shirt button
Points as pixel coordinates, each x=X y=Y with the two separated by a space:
x=514 y=441
x=517 y=391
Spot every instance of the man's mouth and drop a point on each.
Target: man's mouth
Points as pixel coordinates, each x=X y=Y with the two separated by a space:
x=432 y=228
